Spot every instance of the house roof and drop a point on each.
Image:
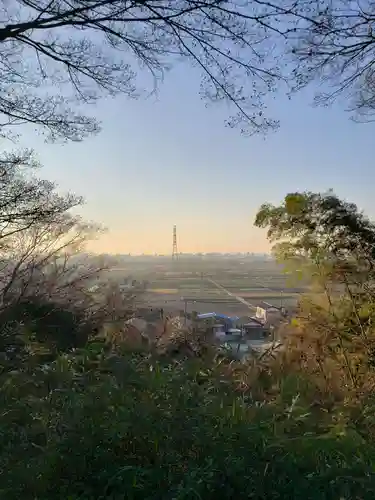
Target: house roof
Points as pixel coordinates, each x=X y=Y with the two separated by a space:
x=254 y=322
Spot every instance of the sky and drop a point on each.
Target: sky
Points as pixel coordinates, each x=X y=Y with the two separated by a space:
x=169 y=159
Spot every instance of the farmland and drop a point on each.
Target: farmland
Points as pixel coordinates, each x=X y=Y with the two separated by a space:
x=228 y=286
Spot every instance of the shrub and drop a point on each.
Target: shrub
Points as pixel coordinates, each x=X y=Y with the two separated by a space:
x=100 y=424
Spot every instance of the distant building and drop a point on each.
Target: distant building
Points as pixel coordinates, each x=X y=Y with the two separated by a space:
x=254 y=329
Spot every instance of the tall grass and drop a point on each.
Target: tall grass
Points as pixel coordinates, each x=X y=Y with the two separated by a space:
x=99 y=424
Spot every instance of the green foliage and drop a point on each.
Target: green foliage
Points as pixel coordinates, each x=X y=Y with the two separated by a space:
x=49 y=323
x=310 y=223
x=334 y=244
x=37 y=330
x=100 y=424
x=84 y=419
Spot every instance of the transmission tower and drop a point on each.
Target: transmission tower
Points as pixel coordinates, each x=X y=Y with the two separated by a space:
x=174 y=247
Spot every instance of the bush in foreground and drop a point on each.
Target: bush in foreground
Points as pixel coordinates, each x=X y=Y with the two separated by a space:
x=94 y=424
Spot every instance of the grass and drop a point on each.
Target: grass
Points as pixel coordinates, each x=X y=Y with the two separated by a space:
x=118 y=425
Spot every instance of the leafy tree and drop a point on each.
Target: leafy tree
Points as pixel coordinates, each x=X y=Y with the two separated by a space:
x=309 y=224
x=334 y=243
x=44 y=326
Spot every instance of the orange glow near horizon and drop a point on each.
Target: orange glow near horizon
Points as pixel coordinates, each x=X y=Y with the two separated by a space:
x=160 y=242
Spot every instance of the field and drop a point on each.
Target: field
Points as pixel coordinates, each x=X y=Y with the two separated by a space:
x=228 y=286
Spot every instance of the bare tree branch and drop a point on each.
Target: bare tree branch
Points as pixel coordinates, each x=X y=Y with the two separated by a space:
x=26 y=200
x=333 y=42
x=57 y=54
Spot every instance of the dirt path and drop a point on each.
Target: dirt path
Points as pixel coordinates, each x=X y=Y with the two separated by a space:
x=240 y=299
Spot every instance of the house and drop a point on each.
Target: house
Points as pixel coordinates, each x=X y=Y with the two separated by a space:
x=254 y=329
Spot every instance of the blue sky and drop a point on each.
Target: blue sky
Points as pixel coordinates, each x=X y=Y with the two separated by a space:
x=169 y=159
